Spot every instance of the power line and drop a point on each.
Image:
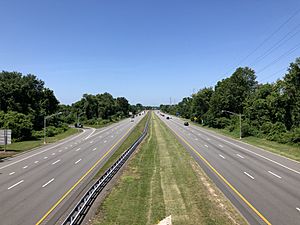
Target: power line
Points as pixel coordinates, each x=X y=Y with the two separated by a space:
x=267 y=39
x=277 y=45
x=273 y=74
x=280 y=57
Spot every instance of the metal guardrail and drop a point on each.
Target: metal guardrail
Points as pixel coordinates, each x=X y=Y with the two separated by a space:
x=79 y=211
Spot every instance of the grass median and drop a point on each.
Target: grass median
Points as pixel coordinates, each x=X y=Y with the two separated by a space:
x=162 y=179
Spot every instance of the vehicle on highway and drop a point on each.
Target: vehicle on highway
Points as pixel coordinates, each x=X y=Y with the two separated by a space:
x=167 y=117
x=78 y=125
x=186 y=123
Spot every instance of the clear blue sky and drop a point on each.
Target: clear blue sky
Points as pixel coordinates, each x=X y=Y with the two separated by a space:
x=145 y=50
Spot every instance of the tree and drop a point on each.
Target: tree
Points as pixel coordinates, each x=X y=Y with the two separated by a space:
x=19 y=123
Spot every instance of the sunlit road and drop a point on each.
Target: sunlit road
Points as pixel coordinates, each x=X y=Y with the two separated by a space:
x=265 y=187
x=35 y=184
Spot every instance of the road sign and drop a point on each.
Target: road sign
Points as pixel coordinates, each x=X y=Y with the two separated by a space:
x=5 y=137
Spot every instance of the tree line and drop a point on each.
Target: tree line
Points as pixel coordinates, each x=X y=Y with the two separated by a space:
x=270 y=110
x=25 y=101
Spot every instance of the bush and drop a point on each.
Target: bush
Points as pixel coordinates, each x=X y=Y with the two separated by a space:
x=222 y=122
x=19 y=123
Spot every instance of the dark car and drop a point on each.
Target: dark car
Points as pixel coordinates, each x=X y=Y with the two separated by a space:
x=167 y=117
x=78 y=125
x=186 y=123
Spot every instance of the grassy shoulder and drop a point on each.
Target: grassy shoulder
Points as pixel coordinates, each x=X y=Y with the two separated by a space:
x=162 y=179
x=133 y=136
x=289 y=151
x=22 y=146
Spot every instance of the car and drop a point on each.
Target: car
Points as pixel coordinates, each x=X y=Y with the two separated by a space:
x=78 y=125
x=167 y=117
x=186 y=123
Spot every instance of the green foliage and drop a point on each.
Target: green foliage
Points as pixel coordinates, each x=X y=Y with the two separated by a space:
x=270 y=111
x=19 y=123
x=26 y=95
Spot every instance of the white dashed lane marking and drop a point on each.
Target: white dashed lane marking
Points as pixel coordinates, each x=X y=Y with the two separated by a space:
x=221 y=146
x=48 y=182
x=77 y=149
x=94 y=149
x=12 y=173
x=242 y=157
x=274 y=174
x=56 y=162
x=25 y=167
x=222 y=156
x=249 y=175
x=77 y=161
x=206 y=146
x=45 y=157
x=36 y=162
x=15 y=184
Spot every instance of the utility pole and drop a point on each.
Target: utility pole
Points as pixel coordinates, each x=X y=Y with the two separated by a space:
x=45 y=120
x=240 y=118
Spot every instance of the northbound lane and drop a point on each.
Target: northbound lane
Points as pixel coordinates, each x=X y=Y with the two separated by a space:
x=267 y=186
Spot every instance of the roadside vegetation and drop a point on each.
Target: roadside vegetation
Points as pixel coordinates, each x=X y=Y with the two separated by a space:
x=270 y=112
x=21 y=146
x=288 y=150
x=162 y=179
x=25 y=101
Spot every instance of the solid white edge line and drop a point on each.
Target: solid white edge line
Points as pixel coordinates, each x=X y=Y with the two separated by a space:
x=56 y=162
x=257 y=154
x=15 y=184
x=77 y=161
x=274 y=174
x=249 y=175
x=28 y=157
x=48 y=183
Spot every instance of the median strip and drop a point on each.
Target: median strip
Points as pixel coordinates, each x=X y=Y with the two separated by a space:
x=162 y=179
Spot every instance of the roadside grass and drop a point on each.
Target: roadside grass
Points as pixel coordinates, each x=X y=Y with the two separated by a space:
x=133 y=136
x=162 y=179
x=287 y=150
x=22 y=146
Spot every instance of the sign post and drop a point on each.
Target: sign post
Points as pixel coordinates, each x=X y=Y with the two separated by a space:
x=5 y=137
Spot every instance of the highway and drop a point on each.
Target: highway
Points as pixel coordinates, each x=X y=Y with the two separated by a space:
x=38 y=186
x=263 y=186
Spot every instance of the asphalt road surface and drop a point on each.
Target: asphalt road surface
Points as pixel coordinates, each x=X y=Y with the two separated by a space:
x=263 y=186
x=37 y=185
